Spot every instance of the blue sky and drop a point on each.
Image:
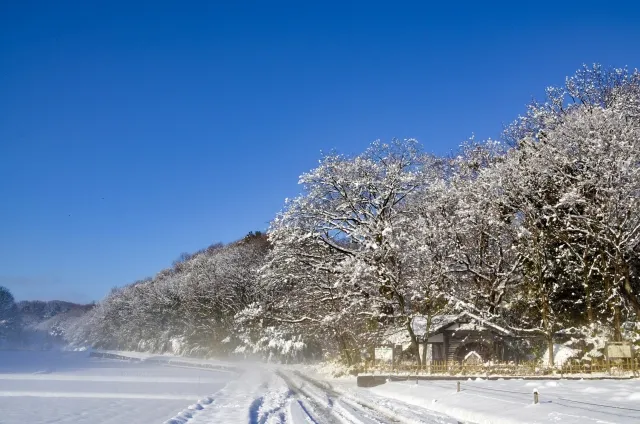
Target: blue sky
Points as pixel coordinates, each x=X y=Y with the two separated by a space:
x=133 y=131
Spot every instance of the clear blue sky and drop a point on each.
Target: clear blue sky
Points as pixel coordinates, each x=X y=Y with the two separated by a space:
x=133 y=131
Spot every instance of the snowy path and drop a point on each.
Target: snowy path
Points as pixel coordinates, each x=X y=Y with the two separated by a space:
x=270 y=396
x=359 y=406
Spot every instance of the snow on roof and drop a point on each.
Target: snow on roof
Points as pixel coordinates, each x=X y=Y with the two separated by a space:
x=440 y=322
x=469 y=326
x=419 y=323
x=398 y=335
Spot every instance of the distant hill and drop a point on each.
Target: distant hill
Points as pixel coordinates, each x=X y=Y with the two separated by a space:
x=47 y=323
x=34 y=312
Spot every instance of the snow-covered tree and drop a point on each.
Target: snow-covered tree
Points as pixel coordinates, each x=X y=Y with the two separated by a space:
x=534 y=234
x=9 y=324
x=188 y=308
x=339 y=241
x=573 y=184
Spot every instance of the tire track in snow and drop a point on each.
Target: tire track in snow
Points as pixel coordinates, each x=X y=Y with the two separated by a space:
x=351 y=410
x=332 y=407
x=372 y=411
x=315 y=410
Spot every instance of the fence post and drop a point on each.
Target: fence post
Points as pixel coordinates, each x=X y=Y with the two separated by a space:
x=458 y=387
x=535 y=396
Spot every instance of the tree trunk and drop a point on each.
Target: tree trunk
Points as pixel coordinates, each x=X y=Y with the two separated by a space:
x=550 y=348
x=424 y=343
x=548 y=329
x=414 y=341
x=346 y=355
x=587 y=287
x=546 y=314
x=617 y=318
x=617 y=331
x=627 y=292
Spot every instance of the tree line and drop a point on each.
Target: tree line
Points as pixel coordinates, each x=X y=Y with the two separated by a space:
x=538 y=233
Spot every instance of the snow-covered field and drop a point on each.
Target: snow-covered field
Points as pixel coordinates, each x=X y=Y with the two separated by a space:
x=70 y=387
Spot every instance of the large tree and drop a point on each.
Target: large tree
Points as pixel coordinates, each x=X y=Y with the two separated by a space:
x=344 y=232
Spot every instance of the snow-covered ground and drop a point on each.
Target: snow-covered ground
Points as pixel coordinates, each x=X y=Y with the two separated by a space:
x=71 y=387
x=511 y=401
x=284 y=395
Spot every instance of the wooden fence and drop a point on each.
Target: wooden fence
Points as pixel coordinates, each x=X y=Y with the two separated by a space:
x=601 y=366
